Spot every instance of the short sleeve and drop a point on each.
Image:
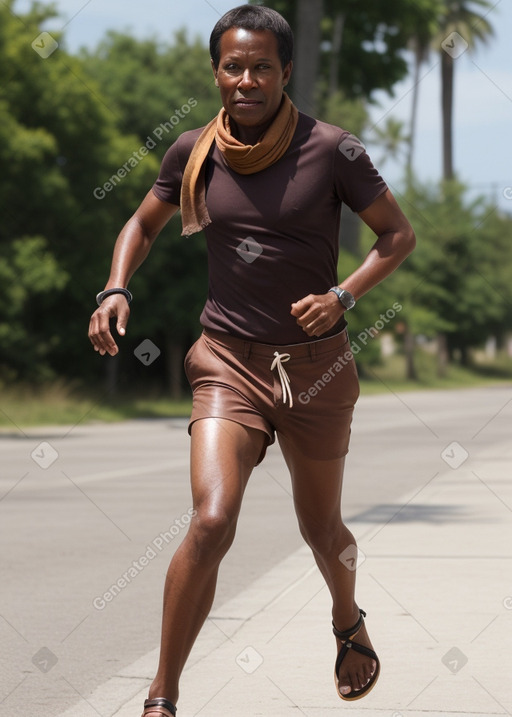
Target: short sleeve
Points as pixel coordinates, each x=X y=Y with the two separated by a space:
x=357 y=181
x=167 y=187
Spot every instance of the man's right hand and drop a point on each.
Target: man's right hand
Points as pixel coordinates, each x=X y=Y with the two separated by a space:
x=113 y=307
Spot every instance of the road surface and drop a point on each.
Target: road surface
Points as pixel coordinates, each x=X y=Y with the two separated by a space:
x=91 y=514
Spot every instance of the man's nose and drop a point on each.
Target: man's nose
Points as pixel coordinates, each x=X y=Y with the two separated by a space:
x=247 y=80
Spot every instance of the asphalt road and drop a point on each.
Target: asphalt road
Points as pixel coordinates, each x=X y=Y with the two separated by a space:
x=88 y=507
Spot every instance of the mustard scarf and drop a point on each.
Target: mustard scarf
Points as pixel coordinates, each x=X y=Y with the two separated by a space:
x=242 y=158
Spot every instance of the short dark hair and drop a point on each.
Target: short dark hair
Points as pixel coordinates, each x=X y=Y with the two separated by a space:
x=254 y=17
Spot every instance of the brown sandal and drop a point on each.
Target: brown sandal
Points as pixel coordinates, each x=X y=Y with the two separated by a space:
x=346 y=636
x=159 y=706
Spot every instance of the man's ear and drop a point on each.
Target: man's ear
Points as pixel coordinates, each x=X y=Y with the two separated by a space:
x=287 y=73
x=214 y=70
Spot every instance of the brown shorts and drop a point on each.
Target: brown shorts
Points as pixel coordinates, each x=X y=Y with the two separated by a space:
x=232 y=378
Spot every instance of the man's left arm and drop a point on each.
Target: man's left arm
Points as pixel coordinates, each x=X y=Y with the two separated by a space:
x=316 y=314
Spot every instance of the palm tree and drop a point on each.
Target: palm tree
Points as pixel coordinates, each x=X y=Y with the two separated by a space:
x=420 y=45
x=462 y=27
x=338 y=27
x=391 y=139
x=423 y=19
x=308 y=36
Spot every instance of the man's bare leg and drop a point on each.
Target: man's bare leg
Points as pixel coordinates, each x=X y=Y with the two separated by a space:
x=223 y=454
x=317 y=486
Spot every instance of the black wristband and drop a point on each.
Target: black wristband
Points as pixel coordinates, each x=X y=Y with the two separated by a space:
x=108 y=292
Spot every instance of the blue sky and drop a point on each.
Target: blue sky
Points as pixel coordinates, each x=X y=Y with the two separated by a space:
x=483 y=85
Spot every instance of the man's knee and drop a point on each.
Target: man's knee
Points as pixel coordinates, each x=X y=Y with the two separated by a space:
x=325 y=538
x=212 y=531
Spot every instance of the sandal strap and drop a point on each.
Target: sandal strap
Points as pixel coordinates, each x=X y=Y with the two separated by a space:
x=161 y=702
x=351 y=632
x=349 y=644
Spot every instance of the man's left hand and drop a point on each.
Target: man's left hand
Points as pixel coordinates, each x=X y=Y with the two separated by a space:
x=316 y=314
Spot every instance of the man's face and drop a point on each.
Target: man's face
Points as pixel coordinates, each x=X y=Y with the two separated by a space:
x=250 y=76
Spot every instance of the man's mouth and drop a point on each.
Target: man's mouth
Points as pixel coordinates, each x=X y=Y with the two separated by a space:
x=247 y=102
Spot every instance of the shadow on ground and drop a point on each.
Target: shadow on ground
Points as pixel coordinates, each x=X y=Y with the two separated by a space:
x=418 y=513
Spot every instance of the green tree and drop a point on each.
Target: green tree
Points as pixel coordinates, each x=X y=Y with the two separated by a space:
x=352 y=46
x=149 y=82
x=454 y=284
x=29 y=276
x=58 y=142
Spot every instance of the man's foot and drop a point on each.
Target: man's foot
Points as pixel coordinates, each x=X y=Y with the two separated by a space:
x=357 y=666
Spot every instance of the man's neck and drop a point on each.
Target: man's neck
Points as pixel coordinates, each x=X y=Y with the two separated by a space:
x=248 y=135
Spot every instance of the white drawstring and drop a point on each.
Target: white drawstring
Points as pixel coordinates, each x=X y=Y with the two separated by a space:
x=285 y=381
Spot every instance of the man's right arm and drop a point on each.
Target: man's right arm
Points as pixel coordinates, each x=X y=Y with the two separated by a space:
x=131 y=248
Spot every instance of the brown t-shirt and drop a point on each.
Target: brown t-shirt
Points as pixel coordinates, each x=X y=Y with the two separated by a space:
x=274 y=234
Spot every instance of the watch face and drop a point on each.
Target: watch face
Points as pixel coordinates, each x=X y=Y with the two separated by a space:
x=348 y=300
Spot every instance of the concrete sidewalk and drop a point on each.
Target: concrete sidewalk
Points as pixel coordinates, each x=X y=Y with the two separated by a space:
x=435 y=580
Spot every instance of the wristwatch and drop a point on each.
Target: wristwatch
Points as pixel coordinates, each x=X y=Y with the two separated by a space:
x=345 y=297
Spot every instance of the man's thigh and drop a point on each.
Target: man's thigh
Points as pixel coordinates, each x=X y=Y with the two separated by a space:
x=317 y=484
x=223 y=454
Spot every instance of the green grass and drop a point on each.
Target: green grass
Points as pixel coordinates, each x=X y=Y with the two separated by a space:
x=63 y=404
x=390 y=375
x=60 y=404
